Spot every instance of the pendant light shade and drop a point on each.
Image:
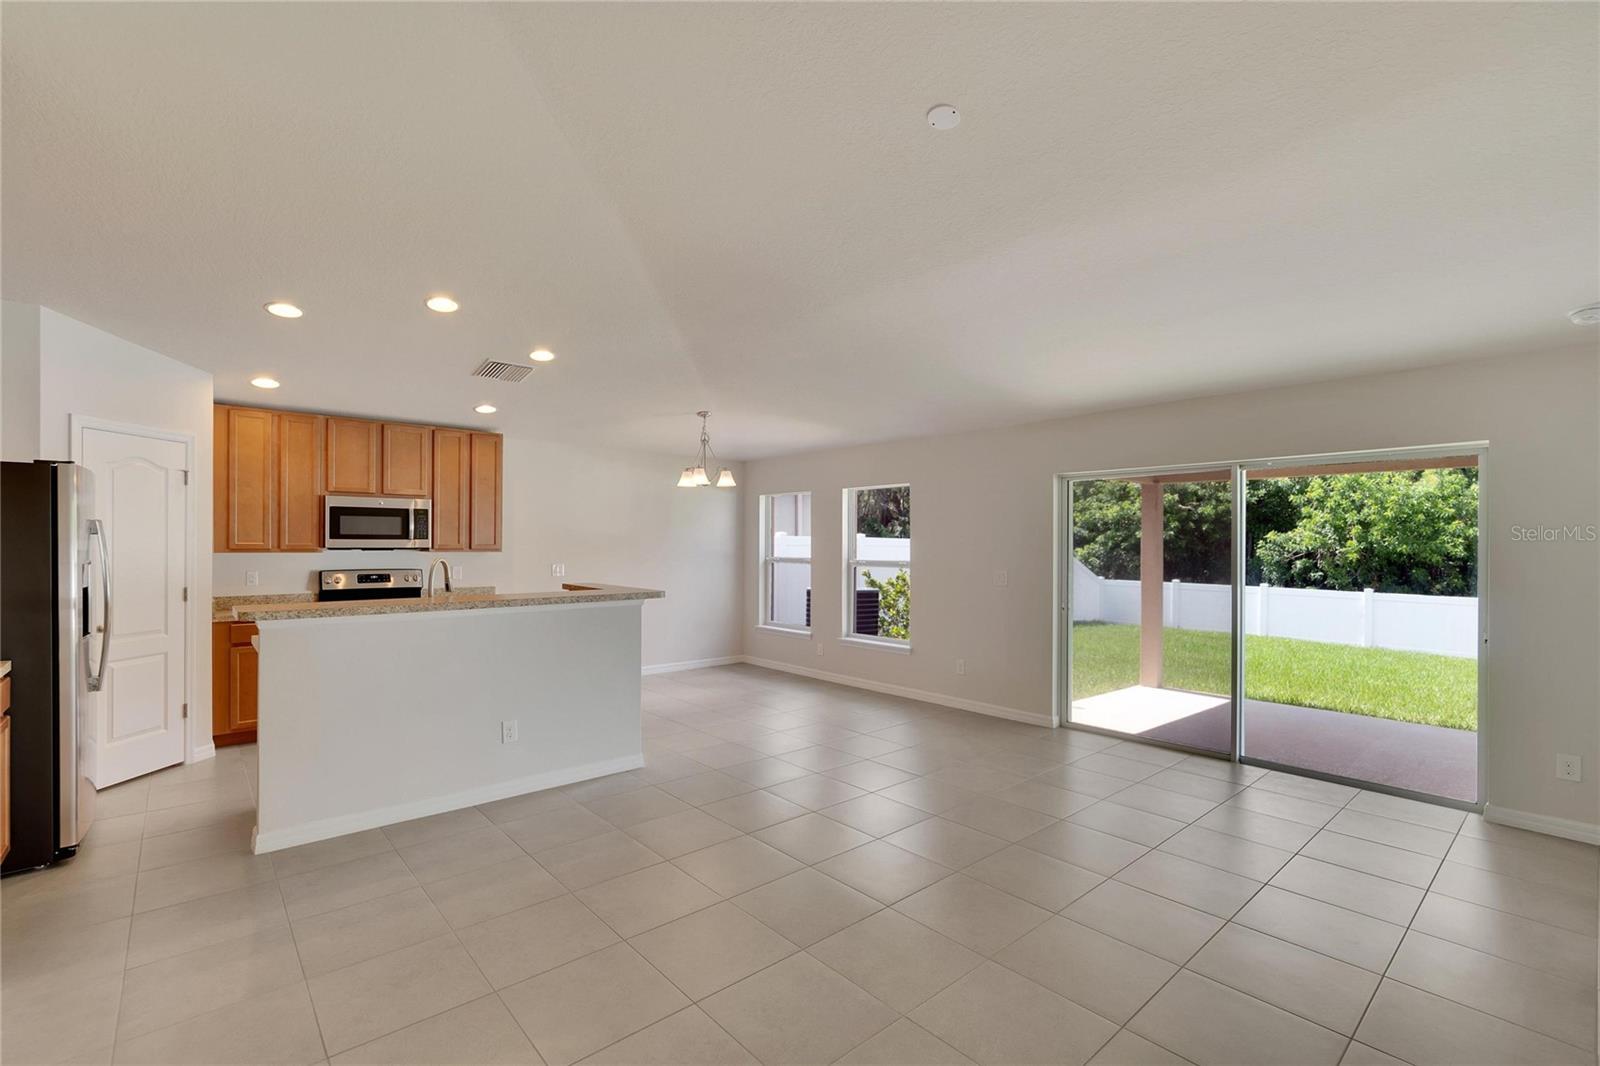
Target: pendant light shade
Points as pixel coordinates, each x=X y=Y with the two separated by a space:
x=695 y=475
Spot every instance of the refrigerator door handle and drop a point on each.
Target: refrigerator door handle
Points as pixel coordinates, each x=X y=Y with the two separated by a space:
x=97 y=529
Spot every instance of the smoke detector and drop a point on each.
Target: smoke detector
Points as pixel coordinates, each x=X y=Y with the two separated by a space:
x=943 y=117
x=1586 y=316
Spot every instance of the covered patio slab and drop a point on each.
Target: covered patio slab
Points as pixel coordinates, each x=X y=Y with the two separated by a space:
x=1420 y=758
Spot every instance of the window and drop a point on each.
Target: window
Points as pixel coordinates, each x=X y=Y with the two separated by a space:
x=786 y=560
x=878 y=563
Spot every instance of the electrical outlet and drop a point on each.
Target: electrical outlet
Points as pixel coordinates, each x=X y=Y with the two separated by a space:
x=508 y=732
x=961 y=666
x=456 y=573
x=558 y=569
x=1569 y=768
x=819 y=649
x=252 y=578
x=1001 y=579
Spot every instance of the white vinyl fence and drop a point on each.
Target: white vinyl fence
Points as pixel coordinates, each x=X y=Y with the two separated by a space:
x=1445 y=625
x=791 y=580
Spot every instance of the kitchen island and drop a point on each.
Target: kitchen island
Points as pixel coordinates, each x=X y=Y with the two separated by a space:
x=376 y=712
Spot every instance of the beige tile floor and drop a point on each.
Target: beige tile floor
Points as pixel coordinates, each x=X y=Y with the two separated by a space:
x=804 y=874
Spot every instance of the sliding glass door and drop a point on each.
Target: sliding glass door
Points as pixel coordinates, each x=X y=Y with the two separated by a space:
x=1317 y=615
x=1151 y=627
x=1361 y=621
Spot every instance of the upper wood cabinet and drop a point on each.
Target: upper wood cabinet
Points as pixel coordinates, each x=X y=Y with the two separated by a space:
x=274 y=468
x=355 y=457
x=267 y=484
x=452 y=489
x=245 y=460
x=407 y=460
x=485 y=522
x=300 y=445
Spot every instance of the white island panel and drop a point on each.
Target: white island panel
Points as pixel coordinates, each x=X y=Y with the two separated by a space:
x=370 y=720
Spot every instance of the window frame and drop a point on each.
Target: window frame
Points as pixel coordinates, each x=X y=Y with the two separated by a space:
x=767 y=562
x=852 y=563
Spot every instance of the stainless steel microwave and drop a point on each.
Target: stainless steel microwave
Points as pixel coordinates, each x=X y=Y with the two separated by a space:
x=377 y=522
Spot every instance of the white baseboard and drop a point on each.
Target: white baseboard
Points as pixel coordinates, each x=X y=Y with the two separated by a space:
x=205 y=751
x=691 y=664
x=327 y=828
x=1570 y=828
x=993 y=710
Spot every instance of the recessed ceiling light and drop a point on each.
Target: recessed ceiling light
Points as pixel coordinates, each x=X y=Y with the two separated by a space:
x=264 y=382
x=542 y=355
x=284 y=310
x=1586 y=316
x=442 y=304
x=486 y=408
x=943 y=117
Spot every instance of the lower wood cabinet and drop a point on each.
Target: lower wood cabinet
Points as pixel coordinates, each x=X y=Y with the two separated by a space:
x=5 y=767
x=233 y=683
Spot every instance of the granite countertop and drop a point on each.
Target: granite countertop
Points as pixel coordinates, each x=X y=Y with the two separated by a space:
x=264 y=610
x=223 y=607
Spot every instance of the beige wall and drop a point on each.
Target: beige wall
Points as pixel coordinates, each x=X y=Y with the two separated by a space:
x=982 y=502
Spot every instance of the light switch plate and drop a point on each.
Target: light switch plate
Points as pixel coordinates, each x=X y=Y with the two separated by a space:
x=1001 y=579
x=558 y=569
x=252 y=578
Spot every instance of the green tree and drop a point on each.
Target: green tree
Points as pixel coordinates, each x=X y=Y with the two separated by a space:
x=1198 y=536
x=1393 y=531
x=884 y=512
x=894 y=603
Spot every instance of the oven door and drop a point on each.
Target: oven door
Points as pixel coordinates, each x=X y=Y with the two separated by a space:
x=376 y=522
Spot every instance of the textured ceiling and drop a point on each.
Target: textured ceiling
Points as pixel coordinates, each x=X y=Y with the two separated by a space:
x=739 y=206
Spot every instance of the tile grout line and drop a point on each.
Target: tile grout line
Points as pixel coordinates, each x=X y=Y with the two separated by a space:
x=1401 y=943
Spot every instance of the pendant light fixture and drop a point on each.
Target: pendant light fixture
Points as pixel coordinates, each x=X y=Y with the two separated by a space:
x=694 y=475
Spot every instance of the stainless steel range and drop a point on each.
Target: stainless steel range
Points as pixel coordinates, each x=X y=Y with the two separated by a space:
x=370 y=585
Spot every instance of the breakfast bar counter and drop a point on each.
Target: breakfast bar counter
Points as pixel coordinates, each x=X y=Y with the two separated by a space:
x=376 y=712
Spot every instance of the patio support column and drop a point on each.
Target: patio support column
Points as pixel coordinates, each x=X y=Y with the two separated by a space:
x=1152 y=527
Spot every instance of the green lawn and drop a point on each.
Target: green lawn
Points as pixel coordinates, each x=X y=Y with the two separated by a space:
x=1408 y=686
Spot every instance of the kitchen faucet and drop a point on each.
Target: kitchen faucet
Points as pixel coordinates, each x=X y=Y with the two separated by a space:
x=436 y=564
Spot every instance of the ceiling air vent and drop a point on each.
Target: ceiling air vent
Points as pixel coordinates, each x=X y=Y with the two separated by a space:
x=494 y=368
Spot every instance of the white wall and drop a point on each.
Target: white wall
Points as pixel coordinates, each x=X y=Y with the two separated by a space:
x=568 y=675
x=611 y=516
x=19 y=381
x=618 y=517
x=983 y=502
x=62 y=367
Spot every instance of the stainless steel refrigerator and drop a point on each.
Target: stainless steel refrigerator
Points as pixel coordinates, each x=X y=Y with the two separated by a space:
x=55 y=627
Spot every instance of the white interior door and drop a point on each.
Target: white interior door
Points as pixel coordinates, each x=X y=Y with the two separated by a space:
x=139 y=494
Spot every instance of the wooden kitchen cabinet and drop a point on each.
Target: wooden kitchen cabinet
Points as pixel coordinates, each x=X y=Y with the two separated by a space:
x=452 y=489
x=299 y=482
x=484 y=532
x=273 y=470
x=234 y=661
x=407 y=460
x=5 y=767
x=355 y=457
x=246 y=455
x=267 y=484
